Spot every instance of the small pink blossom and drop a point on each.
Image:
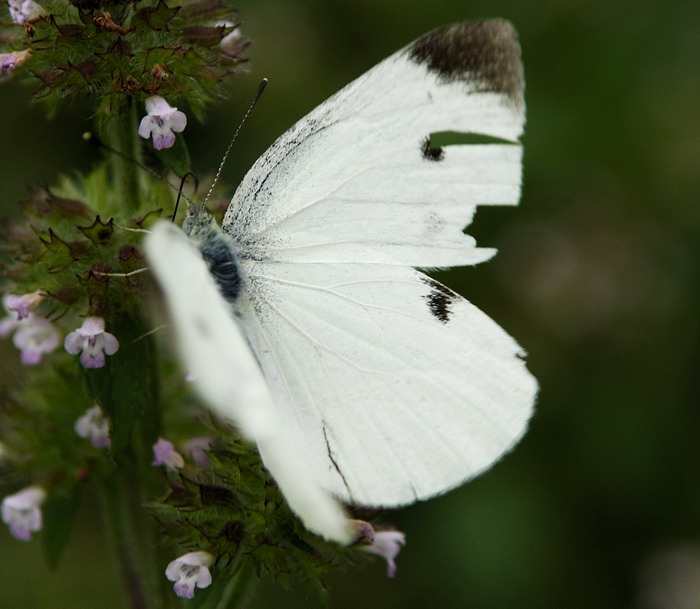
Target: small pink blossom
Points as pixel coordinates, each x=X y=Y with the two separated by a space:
x=22 y=11
x=94 y=425
x=92 y=342
x=9 y=62
x=33 y=336
x=161 y=122
x=164 y=453
x=22 y=305
x=387 y=544
x=22 y=512
x=188 y=571
x=197 y=449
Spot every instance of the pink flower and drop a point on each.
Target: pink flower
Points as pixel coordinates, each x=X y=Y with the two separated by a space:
x=162 y=122
x=188 y=571
x=22 y=11
x=22 y=512
x=94 y=425
x=92 y=342
x=387 y=544
x=11 y=61
x=33 y=336
x=197 y=448
x=164 y=453
x=22 y=305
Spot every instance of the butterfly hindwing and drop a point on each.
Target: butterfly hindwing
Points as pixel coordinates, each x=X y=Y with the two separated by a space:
x=401 y=387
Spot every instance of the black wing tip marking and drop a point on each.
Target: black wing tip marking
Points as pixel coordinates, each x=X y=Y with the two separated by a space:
x=431 y=153
x=439 y=299
x=485 y=54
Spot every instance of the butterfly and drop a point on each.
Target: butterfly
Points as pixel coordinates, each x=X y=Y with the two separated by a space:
x=361 y=378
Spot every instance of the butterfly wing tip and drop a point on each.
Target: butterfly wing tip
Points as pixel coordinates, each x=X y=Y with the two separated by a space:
x=484 y=54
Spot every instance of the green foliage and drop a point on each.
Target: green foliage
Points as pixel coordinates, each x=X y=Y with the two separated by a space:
x=234 y=510
x=61 y=511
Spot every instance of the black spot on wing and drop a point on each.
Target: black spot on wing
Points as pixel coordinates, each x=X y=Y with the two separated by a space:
x=431 y=153
x=485 y=54
x=439 y=299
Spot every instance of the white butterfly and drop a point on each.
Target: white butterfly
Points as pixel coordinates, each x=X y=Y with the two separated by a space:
x=367 y=380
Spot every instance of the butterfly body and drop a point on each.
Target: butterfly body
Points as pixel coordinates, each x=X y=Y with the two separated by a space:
x=389 y=386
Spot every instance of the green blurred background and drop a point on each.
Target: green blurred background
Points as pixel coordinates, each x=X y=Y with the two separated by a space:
x=597 y=277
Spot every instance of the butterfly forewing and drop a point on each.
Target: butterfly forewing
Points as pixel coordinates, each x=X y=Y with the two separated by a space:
x=357 y=179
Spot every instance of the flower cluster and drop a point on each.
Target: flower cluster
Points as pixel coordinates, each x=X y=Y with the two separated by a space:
x=35 y=336
x=116 y=51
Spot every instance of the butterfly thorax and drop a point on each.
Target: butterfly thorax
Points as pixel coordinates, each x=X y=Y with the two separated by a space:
x=218 y=250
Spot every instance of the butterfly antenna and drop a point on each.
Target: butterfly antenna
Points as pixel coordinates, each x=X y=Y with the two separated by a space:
x=180 y=192
x=261 y=88
x=91 y=138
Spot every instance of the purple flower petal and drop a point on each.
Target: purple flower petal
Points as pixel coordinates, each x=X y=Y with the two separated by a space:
x=73 y=343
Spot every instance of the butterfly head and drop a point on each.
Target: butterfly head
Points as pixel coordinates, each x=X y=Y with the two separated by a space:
x=199 y=224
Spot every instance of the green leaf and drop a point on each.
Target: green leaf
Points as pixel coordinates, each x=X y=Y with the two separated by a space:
x=158 y=17
x=98 y=386
x=60 y=511
x=123 y=386
x=177 y=157
x=131 y=369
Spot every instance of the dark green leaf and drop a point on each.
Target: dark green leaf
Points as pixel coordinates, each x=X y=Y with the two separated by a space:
x=60 y=511
x=158 y=17
x=131 y=393
x=177 y=157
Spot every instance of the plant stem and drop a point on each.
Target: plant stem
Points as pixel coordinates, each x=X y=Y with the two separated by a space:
x=131 y=544
x=122 y=134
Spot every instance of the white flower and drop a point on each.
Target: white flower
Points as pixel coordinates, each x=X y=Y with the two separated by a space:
x=162 y=122
x=33 y=336
x=22 y=11
x=22 y=512
x=197 y=449
x=188 y=571
x=92 y=342
x=387 y=544
x=22 y=305
x=164 y=453
x=94 y=425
